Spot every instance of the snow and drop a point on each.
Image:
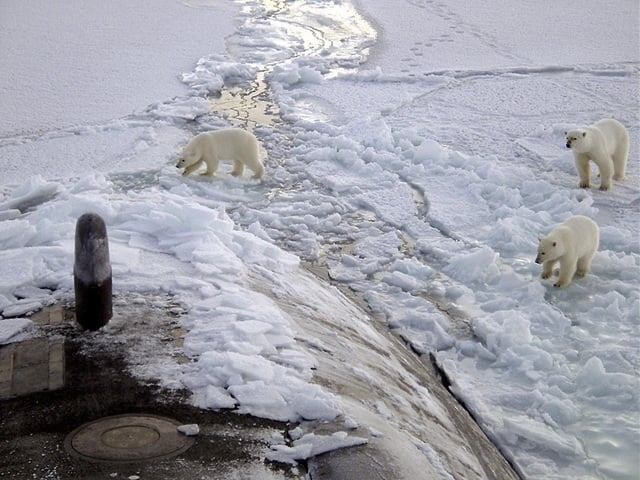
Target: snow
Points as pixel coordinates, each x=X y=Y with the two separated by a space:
x=419 y=157
x=311 y=445
x=102 y=50
x=190 y=430
x=14 y=329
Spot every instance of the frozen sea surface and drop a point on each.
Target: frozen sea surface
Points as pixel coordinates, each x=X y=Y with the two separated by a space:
x=415 y=152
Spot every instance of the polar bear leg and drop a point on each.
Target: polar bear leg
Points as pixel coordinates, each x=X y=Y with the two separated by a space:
x=258 y=169
x=212 y=167
x=584 y=263
x=582 y=166
x=567 y=271
x=606 y=171
x=192 y=168
x=620 y=158
x=584 y=266
x=547 y=269
x=238 y=168
x=254 y=163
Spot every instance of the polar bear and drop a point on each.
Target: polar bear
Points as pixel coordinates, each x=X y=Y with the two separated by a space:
x=227 y=144
x=573 y=244
x=606 y=143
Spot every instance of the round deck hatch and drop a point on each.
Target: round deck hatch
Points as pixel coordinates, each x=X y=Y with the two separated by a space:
x=127 y=439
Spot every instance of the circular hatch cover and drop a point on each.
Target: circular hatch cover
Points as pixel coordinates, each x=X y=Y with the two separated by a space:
x=127 y=438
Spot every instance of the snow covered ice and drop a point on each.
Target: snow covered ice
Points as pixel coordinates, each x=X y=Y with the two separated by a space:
x=417 y=154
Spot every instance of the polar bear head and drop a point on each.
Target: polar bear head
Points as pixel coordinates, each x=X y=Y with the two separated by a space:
x=578 y=140
x=549 y=249
x=190 y=154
